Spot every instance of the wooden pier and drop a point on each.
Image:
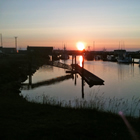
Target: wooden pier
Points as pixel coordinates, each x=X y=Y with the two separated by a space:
x=89 y=77
x=60 y=65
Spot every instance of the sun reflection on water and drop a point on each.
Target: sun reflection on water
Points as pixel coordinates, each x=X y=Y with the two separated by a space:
x=80 y=60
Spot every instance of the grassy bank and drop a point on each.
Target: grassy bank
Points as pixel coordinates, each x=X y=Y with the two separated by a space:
x=22 y=120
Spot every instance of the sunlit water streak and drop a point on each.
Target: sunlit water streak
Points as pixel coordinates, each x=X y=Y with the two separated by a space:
x=80 y=60
x=121 y=85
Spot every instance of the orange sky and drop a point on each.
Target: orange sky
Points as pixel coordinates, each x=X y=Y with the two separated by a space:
x=55 y=23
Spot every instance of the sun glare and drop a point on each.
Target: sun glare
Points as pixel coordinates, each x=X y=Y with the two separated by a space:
x=80 y=60
x=80 y=46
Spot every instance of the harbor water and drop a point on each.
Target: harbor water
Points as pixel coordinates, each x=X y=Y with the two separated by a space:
x=120 y=92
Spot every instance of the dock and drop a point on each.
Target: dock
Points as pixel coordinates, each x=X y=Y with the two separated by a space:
x=89 y=77
x=60 y=65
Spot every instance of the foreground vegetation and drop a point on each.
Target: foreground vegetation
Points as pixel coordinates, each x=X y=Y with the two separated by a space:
x=22 y=120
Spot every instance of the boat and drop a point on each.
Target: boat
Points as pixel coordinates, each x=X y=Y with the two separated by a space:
x=64 y=55
x=124 y=58
x=89 y=56
x=111 y=58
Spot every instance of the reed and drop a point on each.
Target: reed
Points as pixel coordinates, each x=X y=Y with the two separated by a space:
x=135 y=105
x=96 y=101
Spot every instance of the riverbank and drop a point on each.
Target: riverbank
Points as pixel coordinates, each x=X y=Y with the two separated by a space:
x=22 y=120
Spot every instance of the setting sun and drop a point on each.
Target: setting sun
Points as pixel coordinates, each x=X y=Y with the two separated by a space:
x=80 y=46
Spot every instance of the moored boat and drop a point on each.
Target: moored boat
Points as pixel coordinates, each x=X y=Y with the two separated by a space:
x=125 y=58
x=64 y=55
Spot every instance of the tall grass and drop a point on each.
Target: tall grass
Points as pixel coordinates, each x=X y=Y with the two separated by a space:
x=96 y=101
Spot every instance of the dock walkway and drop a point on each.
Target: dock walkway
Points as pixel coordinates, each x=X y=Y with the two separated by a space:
x=89 y=77
x=60 y=65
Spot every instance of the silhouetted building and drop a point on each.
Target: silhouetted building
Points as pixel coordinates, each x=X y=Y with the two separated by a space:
x=9 y=50
x=22 y=51
x=40 y=50
x=1 y=49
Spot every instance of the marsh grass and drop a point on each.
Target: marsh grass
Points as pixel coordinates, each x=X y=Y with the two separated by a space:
x=135 y=105
x=96 y=101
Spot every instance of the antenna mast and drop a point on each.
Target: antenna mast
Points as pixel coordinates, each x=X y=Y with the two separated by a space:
x=16 y=42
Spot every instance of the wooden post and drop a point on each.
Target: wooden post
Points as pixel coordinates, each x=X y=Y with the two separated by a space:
x=83 y=75
x=30 y=82
x=82 y=88
x=75 y=79
x=75 y=62
x=83 y=66
x=72 y=63
x=30 y=73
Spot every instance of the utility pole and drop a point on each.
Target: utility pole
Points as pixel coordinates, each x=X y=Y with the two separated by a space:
x=1 y=40
x=16 y=43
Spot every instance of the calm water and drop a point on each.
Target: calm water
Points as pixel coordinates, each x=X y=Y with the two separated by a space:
x=121 y=88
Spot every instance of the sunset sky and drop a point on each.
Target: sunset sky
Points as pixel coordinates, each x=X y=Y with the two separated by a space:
x=97 y=23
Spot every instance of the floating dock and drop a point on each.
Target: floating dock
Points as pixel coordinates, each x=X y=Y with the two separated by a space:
x=89 y=77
